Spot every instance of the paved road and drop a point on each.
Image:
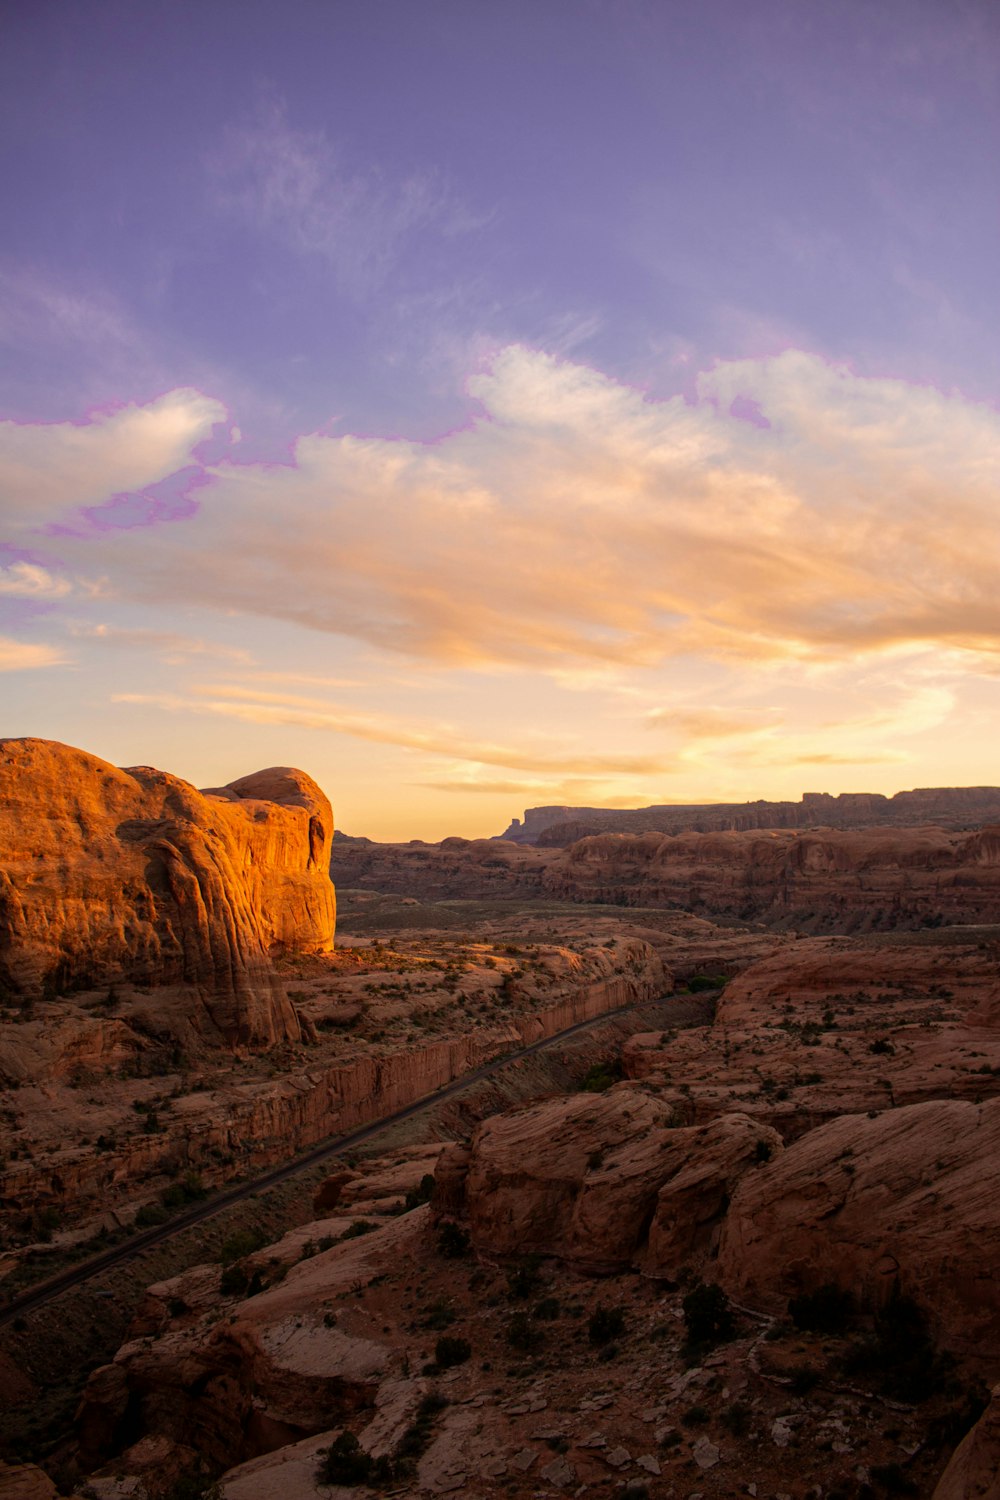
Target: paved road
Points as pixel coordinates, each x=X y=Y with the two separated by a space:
x=54 y=1286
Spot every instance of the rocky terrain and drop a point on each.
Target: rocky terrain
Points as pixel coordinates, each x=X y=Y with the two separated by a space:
x=822 y=881
x=948 y=807
x=743 y=1243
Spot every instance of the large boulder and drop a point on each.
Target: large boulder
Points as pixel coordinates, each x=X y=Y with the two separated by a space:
x=132 y=877
x=907 y=1201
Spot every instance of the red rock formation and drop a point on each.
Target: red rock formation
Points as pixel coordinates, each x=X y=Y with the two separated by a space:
x=111 y=877
x=951 y=807
x=974 y=1470
x=907 y=1201
x=588 y=1178
x=575 y=1177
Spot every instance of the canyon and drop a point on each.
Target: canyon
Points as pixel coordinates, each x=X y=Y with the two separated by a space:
x=825 y=880
x=736 y=1238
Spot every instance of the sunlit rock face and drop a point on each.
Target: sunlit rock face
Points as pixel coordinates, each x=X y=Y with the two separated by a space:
x=115 y=877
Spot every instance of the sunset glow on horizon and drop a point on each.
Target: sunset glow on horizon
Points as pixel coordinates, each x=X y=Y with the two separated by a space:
x=490 y=407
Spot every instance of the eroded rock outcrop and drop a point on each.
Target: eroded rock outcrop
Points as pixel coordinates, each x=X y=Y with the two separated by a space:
x=908 y=1201
x=132 y=877
x=592 y=1178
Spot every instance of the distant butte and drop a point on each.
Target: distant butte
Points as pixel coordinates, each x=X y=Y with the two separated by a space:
x=948 y=807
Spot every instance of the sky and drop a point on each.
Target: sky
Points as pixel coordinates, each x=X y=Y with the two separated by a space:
x=484 y=406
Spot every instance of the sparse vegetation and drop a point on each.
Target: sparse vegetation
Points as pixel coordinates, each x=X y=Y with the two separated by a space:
x=708 y=1318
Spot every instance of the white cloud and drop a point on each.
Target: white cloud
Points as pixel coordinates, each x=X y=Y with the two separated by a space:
x=577 y=523
x=48 y=469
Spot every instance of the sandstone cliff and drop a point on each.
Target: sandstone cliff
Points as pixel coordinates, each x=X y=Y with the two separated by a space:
x=133 y=878
x=950 y=807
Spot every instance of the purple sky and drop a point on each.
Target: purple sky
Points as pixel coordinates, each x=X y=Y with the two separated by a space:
x=687 y=313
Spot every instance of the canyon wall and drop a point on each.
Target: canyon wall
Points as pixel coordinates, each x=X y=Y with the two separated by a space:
x=112 y=878
x=249 y=1126
x=825 y=881
x=950 y=807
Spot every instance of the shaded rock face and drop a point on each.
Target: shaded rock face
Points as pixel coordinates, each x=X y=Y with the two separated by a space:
x=111 y=877
x=974 y=1471
x=908 y=1202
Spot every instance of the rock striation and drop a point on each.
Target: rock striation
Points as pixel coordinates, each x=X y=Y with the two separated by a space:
x=114 y=878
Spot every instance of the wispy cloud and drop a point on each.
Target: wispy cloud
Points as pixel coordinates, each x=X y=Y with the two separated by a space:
x=25 y=580
x=170 y=645
x=297 y=186
x=24 y=656
x=258 y=707
x=36 y=309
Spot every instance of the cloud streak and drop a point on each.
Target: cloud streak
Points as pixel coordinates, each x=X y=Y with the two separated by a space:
x=252 y=706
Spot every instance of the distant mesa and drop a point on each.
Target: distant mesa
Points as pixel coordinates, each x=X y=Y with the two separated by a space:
x=131 y=878
x=947 y=807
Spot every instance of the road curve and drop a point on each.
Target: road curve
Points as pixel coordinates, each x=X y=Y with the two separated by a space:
x=55 y=1286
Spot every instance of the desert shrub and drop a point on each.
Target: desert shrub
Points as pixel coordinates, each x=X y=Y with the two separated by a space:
x=600 y=1077
x=881 y=1046
x=696 y=1416
x=522 y=1333
x=355 y=1230
x=451 y=1351
x=149 y=1215
x=763 y=1151
x=345 y=1462
x=418 y=1435
x=708 y=1317
x=827 y=1310
x=523 y=1278
x=243 y=1242
x=234 y=1280
x=699 y=982
x=547 y=1310
x=453 y=1241
x=606 y=1323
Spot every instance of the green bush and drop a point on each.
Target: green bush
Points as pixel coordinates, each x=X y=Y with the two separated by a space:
x=600 y=1077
